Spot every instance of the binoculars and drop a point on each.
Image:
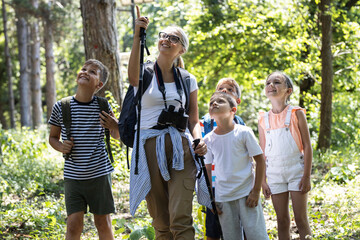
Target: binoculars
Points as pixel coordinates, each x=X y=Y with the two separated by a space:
x=168 y=117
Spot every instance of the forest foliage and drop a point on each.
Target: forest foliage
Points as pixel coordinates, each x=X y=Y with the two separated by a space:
x=245 y=40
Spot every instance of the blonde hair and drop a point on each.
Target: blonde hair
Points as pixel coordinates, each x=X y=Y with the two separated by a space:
x=179 y=62
x=183 y=37
x=184 y=40
x=231 y=82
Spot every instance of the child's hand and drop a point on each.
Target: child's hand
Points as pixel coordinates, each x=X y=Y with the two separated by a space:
x=108 y=121
x=266 y=190
x=253 y=198
x=305 y=184
x=67 y=145
x=218 y=209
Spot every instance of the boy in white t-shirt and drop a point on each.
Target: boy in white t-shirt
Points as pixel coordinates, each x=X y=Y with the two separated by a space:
x=233 y=147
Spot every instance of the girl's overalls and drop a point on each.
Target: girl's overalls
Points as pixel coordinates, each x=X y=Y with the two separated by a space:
x=284 y=161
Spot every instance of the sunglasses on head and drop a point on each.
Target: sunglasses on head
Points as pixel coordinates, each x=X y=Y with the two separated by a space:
x=172 y=38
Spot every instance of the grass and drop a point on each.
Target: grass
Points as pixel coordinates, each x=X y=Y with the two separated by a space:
x=32 y=199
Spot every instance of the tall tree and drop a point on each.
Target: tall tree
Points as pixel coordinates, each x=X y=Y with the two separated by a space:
x=35 y=69
x=49 y=58
x=326 y=75
x=101 y=40
x=22 y=34
x=8 y=69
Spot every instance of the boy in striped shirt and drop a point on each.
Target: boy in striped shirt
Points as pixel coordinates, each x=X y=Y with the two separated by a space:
x=87 y=169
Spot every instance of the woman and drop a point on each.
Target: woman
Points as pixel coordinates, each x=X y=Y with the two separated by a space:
x=167 y=169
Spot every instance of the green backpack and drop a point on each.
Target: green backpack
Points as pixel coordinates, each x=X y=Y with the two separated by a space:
x=66 y=114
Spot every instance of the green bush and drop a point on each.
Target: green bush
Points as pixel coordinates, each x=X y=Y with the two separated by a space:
x=29 y=166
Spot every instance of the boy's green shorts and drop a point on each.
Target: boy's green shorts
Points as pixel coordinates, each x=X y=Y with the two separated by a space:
x=95 y=193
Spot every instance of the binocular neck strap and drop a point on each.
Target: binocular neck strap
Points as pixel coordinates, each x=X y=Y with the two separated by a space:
x=160 y=82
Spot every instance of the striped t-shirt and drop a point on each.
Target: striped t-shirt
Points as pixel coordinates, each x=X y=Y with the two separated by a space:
x=88 y=158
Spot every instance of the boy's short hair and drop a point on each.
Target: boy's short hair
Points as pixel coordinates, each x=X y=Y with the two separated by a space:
x=226 y=96
x=104 y=71
x=232 y=82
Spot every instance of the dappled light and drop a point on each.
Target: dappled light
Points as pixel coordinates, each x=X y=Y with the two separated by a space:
x=241 y=39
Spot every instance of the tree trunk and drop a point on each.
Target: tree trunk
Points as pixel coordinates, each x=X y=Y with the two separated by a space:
x=8 y=69
x=306 y=83
x=101 y=41
x=326 y=75
x=35 y=71
x=25 y=98
x=3 y=123
x=50 y=67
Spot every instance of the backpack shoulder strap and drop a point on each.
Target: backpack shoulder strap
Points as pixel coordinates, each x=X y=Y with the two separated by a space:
x=239 y=120
x=66 y=115
x=148 y=75
x=104 y=106
x=185 y=80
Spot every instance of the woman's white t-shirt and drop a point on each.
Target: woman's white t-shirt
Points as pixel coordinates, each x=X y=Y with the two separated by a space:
x=152 y=102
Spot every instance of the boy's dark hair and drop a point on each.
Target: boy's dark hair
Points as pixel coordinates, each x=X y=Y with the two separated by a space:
x=226 y=96
x=104 y=71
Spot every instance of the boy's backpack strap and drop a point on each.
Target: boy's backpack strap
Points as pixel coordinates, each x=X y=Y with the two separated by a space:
x=104 y=106
x=66 y=115
x=239 y=120
x=208 y=123
x=184 y=77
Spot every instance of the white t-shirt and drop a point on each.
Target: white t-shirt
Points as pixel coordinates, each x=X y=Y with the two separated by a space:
x=232 y=154
x=152 y=101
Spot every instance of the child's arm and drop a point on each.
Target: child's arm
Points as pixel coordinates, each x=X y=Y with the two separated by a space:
x=254 y=195
x=110 y=122
x=262 y=141
x=305 y=184
x=54 y=140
